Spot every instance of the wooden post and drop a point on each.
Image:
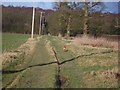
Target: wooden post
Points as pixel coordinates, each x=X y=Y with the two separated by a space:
x=85 y=29
x=33 y=22
x=40 y=28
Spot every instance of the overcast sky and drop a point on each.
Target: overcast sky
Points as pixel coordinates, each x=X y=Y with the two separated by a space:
x=110 y=6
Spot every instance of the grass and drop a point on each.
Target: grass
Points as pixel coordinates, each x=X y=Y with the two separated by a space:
x=88 y=71
x=7 y=78
x=59 y=44
x=13 y=41
x=79 y=72
x=39 y=76
x=96 y=42
x=71 y=70
x=99 y=64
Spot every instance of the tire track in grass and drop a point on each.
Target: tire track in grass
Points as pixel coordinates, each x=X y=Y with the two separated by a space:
x=68 y=75
x=31 y=66
x=25 y=52
x=39 y=77
x=58 y=81
x=62 y=79
x=14 y=75
x=69 y=72
x=58 y=45
x=36 y=77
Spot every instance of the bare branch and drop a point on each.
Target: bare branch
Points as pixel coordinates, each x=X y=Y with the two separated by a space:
x=96 y=3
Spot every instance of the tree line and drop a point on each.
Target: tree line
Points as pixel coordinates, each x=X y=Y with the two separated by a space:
x=19 y=19
x=67 y=19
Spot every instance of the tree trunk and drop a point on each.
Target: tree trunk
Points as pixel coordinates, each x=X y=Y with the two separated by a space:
x=85 y=28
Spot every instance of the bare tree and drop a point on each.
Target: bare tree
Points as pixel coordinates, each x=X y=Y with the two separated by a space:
x=88 y=6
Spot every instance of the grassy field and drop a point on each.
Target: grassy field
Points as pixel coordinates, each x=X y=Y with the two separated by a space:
x=34 y=74
x=89 y=70
x=80 y=67
x=12 y=41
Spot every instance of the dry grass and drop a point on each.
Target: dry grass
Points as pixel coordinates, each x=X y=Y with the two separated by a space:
x=27 y=49
x=98 y=70
x=95 y=42
x=99 y=60
x=101 y=78
x=49 y=48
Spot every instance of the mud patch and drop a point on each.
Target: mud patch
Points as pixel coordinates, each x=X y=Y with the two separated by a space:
x=64 y=81
x=61 y=81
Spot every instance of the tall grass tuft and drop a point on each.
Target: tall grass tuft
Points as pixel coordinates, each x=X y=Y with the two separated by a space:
x=95 y=42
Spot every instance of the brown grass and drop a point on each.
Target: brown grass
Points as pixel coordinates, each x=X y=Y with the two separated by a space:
x=101 y=78
x=49 y=48
x=27 y=49
x=95 y=42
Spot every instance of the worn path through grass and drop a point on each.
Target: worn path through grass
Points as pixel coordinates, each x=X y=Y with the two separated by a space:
x=42 y=71
x=35 y=75
x=70 y=74
x=39 y=76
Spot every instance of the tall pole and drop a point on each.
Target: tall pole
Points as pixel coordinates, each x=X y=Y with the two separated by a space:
x=85 y=29
x=40 y=28
x=33 y=22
